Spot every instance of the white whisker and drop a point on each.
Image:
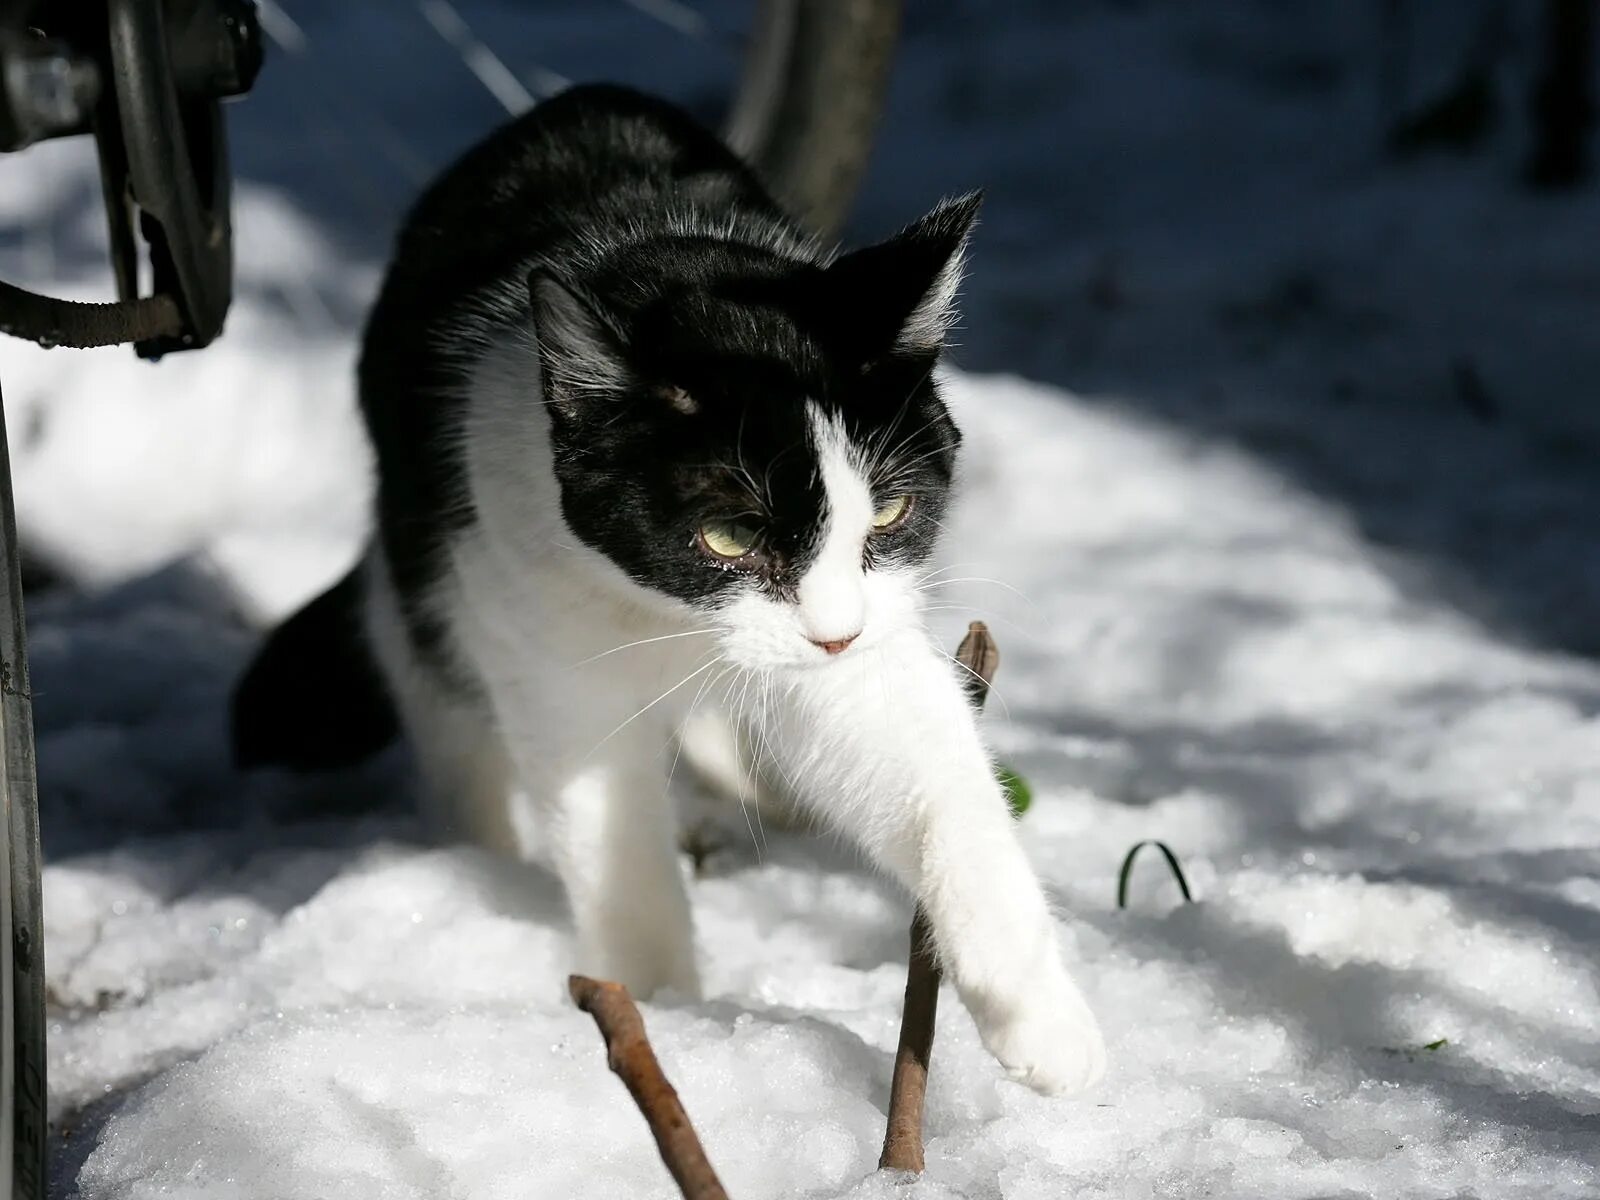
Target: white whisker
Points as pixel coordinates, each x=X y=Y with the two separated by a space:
x=741 y=724
x=928 y=587
x=983 y=614
x=666 y=637
x=992 y=690
x=706 y=684
x=691 y=675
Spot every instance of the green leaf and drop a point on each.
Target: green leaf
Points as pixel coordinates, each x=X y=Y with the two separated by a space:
x=1018 y=794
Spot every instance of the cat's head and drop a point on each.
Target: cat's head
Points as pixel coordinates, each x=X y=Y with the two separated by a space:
x=757 y=434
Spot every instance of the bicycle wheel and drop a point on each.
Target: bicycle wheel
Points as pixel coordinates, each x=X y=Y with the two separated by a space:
x=815 y=76
x=22 y=1061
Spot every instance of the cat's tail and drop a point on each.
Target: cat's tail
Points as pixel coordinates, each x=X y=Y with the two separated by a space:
x=312 y=699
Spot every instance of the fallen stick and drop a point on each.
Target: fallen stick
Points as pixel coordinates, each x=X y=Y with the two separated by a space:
x=908 y=1087
x=628 y=1053
x=902 y=1140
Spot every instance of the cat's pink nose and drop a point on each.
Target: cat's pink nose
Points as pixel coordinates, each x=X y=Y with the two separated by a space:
x=837 y=645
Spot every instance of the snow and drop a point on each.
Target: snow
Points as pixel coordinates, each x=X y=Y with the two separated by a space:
x=1265 y=587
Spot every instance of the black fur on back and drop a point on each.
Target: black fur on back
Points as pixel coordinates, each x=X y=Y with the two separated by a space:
x=591 y=157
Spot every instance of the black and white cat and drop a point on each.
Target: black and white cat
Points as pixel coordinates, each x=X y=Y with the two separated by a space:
x=642 y=444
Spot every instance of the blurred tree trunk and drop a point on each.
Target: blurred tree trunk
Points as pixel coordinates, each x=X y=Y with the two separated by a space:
x=1563 y=95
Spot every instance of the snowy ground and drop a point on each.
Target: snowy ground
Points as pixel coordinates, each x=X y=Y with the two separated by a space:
x=1289 y=600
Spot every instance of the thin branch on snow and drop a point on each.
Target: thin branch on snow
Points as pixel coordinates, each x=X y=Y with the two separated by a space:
x=628 y=1053
x=902 y=1140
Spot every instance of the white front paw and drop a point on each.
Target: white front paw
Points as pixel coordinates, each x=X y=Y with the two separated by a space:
x=1048 y=1040
x=641 y=955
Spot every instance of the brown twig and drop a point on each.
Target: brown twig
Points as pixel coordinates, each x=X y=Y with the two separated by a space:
x=981 y=658
x=628 y=1053
x=902 y=1141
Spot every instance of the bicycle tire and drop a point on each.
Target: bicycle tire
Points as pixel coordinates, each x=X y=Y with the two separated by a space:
x=815 y=78
x=23 y=1113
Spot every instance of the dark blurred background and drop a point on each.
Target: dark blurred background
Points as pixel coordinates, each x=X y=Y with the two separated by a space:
x=1343 y=235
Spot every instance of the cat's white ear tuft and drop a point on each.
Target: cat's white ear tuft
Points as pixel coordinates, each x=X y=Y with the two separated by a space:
x=945 y=232
x=899 y=296
x=578 y=353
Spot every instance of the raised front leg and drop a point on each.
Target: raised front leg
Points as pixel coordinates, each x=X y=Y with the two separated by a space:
x=886 y=748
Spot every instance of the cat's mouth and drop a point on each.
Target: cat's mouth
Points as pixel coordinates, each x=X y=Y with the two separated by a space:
x=834 y=646
x=822 y=654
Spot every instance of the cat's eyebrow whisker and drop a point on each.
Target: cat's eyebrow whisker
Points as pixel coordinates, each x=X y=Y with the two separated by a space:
x=889 y=454
x=989 y=617
x=760 y=505
x=905 y=407
x=954 y=579
x=939 y=583
x=880 y=441
x=924 y=427
x=906 y=464
x=959 y=566
x=738 y=451
x=741 y=475
x=691 y=675
x=666 y=637
x=766 y=484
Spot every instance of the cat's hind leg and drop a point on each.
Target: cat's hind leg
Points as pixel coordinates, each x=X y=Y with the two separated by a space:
x=467 y=781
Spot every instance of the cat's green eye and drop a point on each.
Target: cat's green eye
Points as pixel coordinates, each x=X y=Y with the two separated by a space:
x=728 y=539
x=891 y=513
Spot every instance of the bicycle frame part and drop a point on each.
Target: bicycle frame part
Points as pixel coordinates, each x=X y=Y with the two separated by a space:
x=23 y=1113
x=146 y=77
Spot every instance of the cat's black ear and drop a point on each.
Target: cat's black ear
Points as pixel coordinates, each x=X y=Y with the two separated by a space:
x=580 y=353
x=900 y=294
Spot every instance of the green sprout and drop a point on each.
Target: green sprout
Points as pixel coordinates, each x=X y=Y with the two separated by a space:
x=1018 y=794
x=1126 y=874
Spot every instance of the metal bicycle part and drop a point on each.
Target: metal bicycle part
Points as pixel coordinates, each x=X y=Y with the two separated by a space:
x=147 y=78
x=166 y=145
x=815 y=77
x=23 y=1113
